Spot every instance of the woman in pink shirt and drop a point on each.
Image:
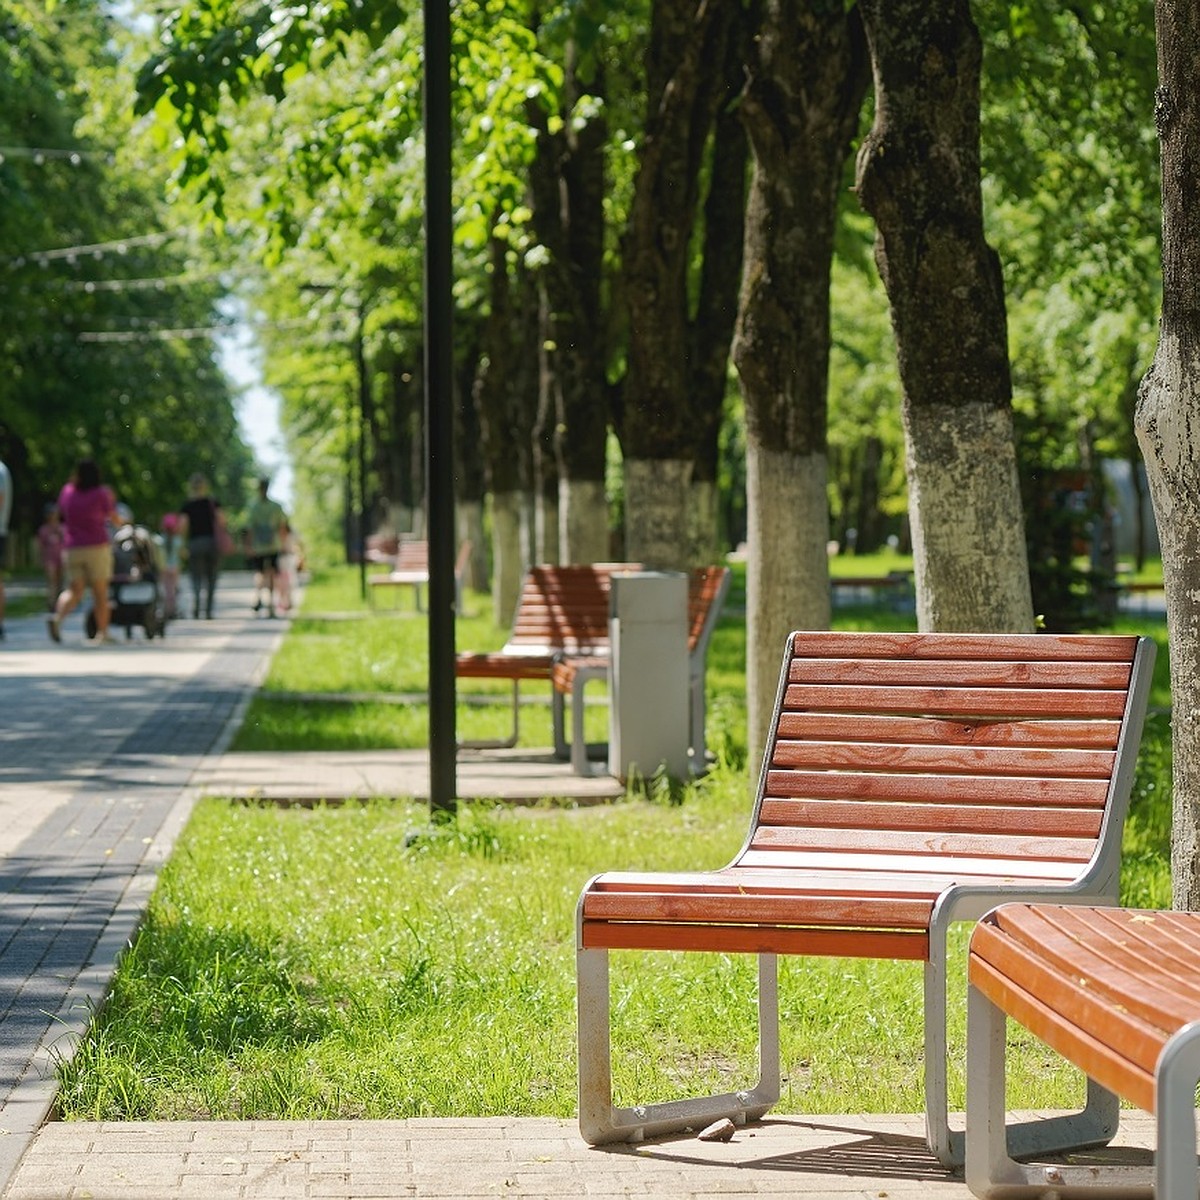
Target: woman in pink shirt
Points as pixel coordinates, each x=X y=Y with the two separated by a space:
x=87 y=506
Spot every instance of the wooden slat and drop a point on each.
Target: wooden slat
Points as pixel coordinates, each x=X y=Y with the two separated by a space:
x=889 y=672
x=957 y=760
x=958 y=867
x=933 y=789
x=949 y=702
x=762 y=908
x=1122 y=956
x=798 y=726
x=939 y=843
x=753 y=939
x=983 y=646
x=839 y=814
x=748 y=880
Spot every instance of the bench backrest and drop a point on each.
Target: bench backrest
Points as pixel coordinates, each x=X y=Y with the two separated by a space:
x=707 y=587
x=412 y=555
x=979 y=755
x=564 y=609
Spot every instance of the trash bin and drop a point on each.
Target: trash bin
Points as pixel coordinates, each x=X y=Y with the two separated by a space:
x=648 y=700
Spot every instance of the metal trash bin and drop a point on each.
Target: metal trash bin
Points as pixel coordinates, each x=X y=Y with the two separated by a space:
x=648 y=699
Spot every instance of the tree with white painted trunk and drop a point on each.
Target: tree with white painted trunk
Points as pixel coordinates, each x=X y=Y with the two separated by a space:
x=919 y=178
x=1168 y=419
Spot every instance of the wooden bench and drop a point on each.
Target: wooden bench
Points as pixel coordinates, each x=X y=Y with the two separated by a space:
x=409 y=567
x=561 y=610
x=571 y=673
x=895 y=588
x=1117 y=993
x=909 y=781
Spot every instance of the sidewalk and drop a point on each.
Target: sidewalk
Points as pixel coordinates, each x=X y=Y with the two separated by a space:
x=102 y=754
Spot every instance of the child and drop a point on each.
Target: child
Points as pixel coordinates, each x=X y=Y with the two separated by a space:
x=170 y=570
x=50 y=551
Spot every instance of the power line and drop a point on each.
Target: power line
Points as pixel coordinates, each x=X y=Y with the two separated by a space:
x=95 y=249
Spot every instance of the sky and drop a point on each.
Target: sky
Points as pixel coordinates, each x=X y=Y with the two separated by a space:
x=257 y=411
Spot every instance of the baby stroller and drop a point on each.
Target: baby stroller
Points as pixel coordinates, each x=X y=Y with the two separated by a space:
x=133 y=592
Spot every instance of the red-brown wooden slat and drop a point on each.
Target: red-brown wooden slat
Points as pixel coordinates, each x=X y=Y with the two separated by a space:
x=753 y=939
x=1114 y=958
x=956 y=867
x=984 y=702
x=837 y=814
x=940 y=843
x=970 y=760
x=1101 y=1062
x=984 y=646
x=941 y=673
x=830 y=785
x=749 y=881
x=940 y=731
x=763 y=908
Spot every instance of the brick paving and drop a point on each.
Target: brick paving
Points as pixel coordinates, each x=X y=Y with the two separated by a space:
x=102 y=753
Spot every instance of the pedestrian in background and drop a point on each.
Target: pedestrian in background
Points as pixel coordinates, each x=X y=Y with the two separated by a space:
x=171 y=546
x=5 y=517
x=50 y=552
x=198 y=521
x=266 y=522
x=87 y=506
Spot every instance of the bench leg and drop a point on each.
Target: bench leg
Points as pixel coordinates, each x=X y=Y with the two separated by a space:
x=946 y=1143
x=580 y=762
x=991 y=1143
x=1178 y=1074
x=601 y=1122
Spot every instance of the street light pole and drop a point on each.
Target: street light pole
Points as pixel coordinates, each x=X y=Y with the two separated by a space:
x=364 y=400
x=439 y=414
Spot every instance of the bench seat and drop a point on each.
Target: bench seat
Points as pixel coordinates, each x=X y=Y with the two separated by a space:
x=1117 y=993
x=909 y=781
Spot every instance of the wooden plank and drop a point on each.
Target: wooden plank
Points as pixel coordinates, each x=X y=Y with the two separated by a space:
x=950 y=702
x=961 y=760
x=984 y=646
x=944 y=789
x=956 y=867
x=837 y=814
x=933 y=843
x=799 y=726
x=751 y=939
x=749 y=881
x=888 y=672
x=762 y=908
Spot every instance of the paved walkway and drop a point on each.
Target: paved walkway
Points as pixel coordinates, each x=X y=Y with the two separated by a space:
x=102 y=754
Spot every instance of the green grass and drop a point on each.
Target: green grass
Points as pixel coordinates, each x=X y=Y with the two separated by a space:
x=353 y=962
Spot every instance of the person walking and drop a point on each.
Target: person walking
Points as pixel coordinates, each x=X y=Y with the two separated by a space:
x=198 y=521
x=50 y=552
x=86 y=505
x=5 y=517
x=265 y=525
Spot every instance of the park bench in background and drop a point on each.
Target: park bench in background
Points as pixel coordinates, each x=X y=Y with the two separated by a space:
x=409 y=567
x=571 y=673
x=561 y=610
x=909 y=780
x=1117 y=993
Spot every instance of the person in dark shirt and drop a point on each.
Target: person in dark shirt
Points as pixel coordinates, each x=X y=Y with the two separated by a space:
x=199 y=518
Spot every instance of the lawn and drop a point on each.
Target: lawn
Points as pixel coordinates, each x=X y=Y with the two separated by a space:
x=351 y=962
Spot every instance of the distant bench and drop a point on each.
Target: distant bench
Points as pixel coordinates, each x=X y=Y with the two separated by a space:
x=571 y=673
x=409 y=567
x=896 y=587
x=1117 y=993
x=561 y=610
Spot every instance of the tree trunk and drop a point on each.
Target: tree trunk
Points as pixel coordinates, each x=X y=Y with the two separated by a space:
x=505 y=394
x=686 y=53
x=1168 y=416
x=919 y=177
x=568 y=190
x=807 y=77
